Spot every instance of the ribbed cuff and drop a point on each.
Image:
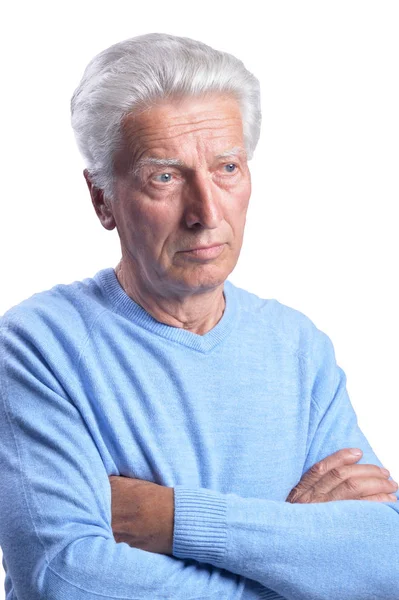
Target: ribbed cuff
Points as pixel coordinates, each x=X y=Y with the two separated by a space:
x=200 y=530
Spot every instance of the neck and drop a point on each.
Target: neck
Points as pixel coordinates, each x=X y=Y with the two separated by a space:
x=197 y=313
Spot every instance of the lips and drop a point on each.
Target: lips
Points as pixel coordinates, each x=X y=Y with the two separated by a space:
x=202 y=248
x=204 y=252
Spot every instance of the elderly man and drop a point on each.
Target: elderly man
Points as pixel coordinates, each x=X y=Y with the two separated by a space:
x=165 y=434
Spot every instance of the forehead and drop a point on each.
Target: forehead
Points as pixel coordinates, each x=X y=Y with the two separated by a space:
x=184 y=124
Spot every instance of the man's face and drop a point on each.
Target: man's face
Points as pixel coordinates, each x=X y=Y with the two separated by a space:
x=182 y=183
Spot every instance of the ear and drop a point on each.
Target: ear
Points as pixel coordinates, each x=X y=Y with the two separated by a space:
x=101 y=204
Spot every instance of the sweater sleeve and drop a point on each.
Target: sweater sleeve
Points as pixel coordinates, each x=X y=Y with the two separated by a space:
x=343 y=549
x=55 y=499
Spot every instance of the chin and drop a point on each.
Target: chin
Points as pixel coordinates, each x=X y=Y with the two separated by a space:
x=206 y=277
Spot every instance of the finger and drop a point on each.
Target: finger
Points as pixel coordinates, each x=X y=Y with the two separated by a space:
x=348 y=473
x=381 y=498
x=357 y=488
x=319 y=469
x=353 y=488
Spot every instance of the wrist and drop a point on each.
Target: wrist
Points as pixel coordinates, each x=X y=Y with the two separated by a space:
x=167 y=521
x=200 y=524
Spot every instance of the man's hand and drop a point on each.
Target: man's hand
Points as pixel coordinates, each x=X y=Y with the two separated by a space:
x=336 y=477
x=142 y=514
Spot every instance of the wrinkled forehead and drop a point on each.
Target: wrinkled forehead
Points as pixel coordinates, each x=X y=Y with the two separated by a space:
x=171 y=125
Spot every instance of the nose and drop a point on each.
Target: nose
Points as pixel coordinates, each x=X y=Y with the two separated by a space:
x=203 y=204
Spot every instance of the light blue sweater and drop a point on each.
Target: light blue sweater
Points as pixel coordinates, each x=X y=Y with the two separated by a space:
x=93 y=386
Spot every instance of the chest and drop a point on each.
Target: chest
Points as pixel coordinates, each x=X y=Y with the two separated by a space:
x=234 y=424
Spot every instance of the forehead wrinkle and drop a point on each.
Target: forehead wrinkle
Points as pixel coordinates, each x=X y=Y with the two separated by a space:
x=140 y=146
x=154 y=138
x=140 y=136
x=199 y=121
x=163 y=130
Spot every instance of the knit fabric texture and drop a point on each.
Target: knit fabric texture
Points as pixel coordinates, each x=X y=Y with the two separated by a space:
x=92 y=386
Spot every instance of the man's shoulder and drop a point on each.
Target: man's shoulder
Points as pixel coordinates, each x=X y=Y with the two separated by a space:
x=73 y=306
x=290 y=325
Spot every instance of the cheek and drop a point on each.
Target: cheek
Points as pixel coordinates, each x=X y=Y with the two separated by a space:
x=150 y=227
x=242 y=197
x=245 y=198
x=238 y=212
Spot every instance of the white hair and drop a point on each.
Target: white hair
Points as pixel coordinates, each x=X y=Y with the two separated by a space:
x=141 y=70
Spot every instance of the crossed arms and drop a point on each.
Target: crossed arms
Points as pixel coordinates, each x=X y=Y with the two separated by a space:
x=58 y=542
x=143 y=512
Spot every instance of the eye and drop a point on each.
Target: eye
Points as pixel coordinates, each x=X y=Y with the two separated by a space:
x=230 y=168
x=163 y=177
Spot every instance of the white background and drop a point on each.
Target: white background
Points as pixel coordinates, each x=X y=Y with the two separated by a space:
x=322 y=230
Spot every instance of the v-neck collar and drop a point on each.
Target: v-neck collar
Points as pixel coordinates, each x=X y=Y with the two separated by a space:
x=127 y=307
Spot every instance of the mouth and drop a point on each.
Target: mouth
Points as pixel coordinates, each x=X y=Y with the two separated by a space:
x=212 y=251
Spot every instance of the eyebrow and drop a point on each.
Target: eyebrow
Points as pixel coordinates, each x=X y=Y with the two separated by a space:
x=175 y=162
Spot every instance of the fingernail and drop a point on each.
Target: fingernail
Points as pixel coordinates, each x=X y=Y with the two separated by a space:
x=355 y=451
x=393 y=497
x=386 y=472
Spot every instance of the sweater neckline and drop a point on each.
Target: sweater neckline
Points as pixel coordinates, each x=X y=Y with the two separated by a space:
x=128 y=308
